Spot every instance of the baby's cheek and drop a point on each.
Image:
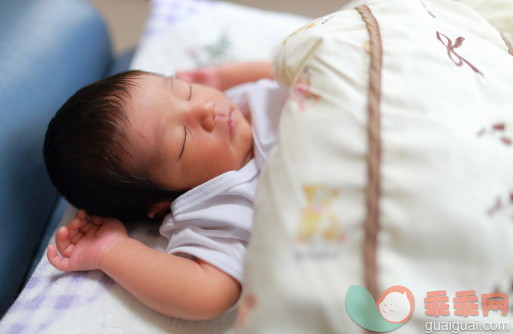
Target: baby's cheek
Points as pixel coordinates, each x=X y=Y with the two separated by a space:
x=246 y=112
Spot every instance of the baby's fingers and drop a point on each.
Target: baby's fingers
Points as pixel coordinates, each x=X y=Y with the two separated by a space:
x=56 y=260
x=77 y=229
x=81 y=214
x=62 y=241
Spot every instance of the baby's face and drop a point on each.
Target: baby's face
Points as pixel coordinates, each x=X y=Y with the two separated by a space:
x=185 y=134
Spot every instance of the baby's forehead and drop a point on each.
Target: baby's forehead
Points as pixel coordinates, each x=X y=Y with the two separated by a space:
x=146 y=77
x=151 y=81
x=145 y=85
x=147 y=94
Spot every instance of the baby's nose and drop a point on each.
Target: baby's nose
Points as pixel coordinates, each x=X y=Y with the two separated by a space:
x=204 y=113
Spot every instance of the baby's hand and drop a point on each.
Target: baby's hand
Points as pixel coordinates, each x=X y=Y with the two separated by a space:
x=206 y=76
x=82 y=243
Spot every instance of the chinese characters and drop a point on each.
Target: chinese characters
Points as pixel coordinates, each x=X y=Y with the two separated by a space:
x=465 y=303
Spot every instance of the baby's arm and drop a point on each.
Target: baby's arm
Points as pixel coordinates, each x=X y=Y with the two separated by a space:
x=228 y=75
x=172 y=285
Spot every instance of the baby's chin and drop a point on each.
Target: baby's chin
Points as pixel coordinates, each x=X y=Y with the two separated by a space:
x=250 y=155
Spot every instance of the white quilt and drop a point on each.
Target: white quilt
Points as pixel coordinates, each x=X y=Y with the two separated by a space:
x=394 y=169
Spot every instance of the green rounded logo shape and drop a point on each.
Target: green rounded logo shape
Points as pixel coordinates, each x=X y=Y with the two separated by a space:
x=392 y=310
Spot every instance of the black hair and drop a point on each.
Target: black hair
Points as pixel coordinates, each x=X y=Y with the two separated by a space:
x=86 y=158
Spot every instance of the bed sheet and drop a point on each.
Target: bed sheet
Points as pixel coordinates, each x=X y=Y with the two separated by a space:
x=90 y=302
x=186 y=34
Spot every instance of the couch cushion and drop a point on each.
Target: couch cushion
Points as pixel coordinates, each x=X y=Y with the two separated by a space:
x=50 y=48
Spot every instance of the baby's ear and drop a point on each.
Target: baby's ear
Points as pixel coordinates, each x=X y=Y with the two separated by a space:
x=159 y=210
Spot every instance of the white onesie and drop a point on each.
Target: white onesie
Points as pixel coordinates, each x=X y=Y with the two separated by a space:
x=213 y=221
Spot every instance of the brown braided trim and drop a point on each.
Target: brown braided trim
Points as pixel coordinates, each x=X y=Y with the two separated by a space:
x=373 y=190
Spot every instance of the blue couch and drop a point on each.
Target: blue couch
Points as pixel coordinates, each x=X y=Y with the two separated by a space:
x=48 y=50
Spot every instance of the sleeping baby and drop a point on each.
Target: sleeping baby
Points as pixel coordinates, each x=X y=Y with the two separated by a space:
x=138 y=145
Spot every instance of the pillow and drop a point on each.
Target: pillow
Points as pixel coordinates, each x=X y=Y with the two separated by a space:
x=186 y=34
x=392 y=176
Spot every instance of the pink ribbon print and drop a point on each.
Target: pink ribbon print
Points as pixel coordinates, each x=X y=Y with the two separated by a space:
x=453 y=55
